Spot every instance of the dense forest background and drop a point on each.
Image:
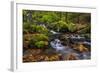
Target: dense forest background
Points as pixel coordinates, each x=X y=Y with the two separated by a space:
x=58 y=21
x=40 y=28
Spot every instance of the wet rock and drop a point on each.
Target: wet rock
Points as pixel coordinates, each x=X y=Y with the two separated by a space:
x=46 y=58
x=54 y=58
x=80 y=47
x=71 y=56
x=65 y=40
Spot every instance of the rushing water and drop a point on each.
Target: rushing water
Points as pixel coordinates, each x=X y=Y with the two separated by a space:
x=56 y=44
x=65 y=50
x=63 y=47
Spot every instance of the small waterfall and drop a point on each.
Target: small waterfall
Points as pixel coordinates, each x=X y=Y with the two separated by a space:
x=53 y=32
x=76 y=37
x=66 y=50
x=56 y=44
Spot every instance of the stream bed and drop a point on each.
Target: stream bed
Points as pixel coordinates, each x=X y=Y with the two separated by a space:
x=72 y=45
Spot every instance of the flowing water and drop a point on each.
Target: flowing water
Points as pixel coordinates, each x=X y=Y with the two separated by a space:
x=65 y=50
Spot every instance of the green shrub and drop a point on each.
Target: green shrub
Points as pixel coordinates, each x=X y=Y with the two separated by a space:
x=59 y=26
x=49 y=17
x=63 y=26
x=29 y=27
x=32 y=28
x=41 y=44
x=72 y=27
x=26 y=25
x=41 y=29
x=40 y=39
